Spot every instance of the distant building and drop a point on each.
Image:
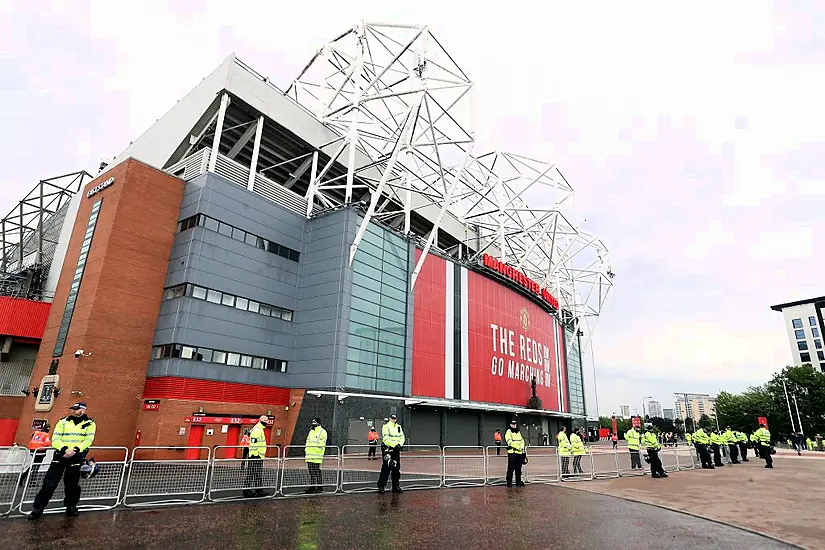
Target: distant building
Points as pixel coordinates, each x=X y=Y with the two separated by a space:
x=654 y=409
x=669 y=414
x=696 y=407
x=804 y=325
x=625 y=411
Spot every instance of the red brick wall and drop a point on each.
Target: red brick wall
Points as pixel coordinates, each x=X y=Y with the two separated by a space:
x=118 y=303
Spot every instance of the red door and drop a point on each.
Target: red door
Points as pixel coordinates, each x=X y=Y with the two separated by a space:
x=233 y=436
x=195 y=440
x=8 y=429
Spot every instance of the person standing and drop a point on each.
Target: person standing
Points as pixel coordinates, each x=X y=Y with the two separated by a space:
x=701 y=440
x=632 y=438
x=515 y=453
x=716 y=442
x=564 y=450
x=392 y=439
x=579 y=450
x=615 y=438
x=40 y=440
x=73 y=435
x=245 y=444
x=742 y=441
x=733 y=448
x=497 y=438
x=372 y=438
x=763 y=437
x=797 y=443
x=255 y=463
x=755 y=445
x=315 y=447
x=653 y=447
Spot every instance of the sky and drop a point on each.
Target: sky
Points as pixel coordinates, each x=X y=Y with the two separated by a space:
x=693 y=137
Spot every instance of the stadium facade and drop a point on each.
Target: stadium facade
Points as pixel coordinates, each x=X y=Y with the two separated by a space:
x=336 y=250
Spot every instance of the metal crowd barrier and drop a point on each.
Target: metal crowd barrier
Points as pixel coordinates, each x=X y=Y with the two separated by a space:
x=232 y=476
x=496 y=468
x=359 y=470
x=421 y=468
x=578 y=467
x=13 y=462
x=686 y=458
x=605 y=463
x=625 y=464
x=298 y=474
x=670 y=460
x=542 y=465
x=464 y=466
x=174 y=481
x=101 y=492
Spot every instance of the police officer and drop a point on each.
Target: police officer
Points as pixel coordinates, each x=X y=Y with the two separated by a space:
x=701 y=440
x=653 y=447
x=632 y=438
x=515 y=453
x=565 y=450
x=733 y=448
x=716 y=442
x=392 y=439
x=763 y=439
x=257 y=452
x=742 y=441
x=73 y=435
x=314 y=449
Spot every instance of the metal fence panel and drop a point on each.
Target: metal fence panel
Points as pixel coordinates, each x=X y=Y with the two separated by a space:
x=420 y=468
x=542 y=465
x=298 y=474
x=625 y=464
x=605 y=463
x=686 y=458
x=577 y=467
x=670 y=461
x=496 y=467
x=231 y=476
x=101 y=492
x=172 y=481
x=464 y=466
x=13 y=462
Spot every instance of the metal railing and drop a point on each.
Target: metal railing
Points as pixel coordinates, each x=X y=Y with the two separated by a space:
x=232 y=478
x=542 y=465
x=14 y=461
x=577 y=467
x=421 y=467
x=298 y=471
x=174 y=481
x=605 y=463
x=464 y=466
x=626 y=458
x=101 y=492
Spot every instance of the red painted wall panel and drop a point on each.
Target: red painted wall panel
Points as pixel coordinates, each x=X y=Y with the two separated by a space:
x=530 y=336
x=428 y=327
x=8 y=429
x=23 y=318
x=169 y=387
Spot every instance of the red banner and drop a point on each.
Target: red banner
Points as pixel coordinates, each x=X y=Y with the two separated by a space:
x=636 y=421
x=763 y=420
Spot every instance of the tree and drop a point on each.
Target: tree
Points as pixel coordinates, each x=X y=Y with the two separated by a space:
x=741 y=411
x=665 y=425
x=680 y=425
x=622 y=425
x=704 y=422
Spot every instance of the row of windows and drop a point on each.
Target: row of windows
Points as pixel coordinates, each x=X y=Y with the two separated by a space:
x=180 y=351
x=226 y=299
x=797 y=323
x=805 y=357
x=803 y=345
x=800 y=333
x=575 y=383
x=239 y=235
x=68 y=311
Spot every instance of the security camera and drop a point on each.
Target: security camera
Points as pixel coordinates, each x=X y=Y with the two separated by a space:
x=80 y=353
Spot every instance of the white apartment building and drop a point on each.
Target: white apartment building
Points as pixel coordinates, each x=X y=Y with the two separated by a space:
x=654 y=409
x=804 y=325
x=669 y=414
x=625 y=411
x=696 y=406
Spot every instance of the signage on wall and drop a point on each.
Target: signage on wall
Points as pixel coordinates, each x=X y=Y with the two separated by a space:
x=203 y=419
x=518 y=277
x=39 y=423
x=762 y=420
x=636 y=421
x=47 y=393
x=151 y=404
x=100 y=187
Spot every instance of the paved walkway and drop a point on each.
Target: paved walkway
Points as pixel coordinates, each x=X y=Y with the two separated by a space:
x=787 y=502
x=536 y=516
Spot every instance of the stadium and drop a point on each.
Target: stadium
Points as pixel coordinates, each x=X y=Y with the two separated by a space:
x=336 y=249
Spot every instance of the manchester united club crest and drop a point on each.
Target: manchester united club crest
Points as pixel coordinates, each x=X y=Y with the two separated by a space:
x=524 y=317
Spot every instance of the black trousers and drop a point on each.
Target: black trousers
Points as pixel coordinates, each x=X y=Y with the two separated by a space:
x=577 y=464
x=371 y=452
x=756 y=452
x=743 y=450
x=765 y=452
x=498 y=448
x=254 y=473
x=704 y=455
x=315 y=478
x=656 y=468
x=69 y=470
x=565 y=465
x=734 y=452
x=393 y=472
x=717 y=455
x=635 y=459
x=514 y=463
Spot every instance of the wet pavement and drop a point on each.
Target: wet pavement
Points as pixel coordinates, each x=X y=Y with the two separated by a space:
x=536 y=516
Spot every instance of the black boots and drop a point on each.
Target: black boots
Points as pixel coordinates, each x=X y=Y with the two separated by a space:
x=35 y=514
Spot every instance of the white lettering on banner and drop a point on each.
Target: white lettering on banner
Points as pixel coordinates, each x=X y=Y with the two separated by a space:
x=100 y=187
x=534 y=357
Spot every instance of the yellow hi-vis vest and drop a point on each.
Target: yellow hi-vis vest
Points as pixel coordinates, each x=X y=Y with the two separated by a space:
x=564 y=444
x=763 y=436
x=632 y=438
x=700 y=437
x=392 y=435
x=651 y=442
x=71 y=435
x=257 y=441
x=740 y=437
x=315 y=445
x=515 y=442
x=577 y=445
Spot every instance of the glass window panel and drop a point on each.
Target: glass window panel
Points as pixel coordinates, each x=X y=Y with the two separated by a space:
x=395 y=276
x=390 y=362
x=187 y=352
x=272 y=247
x=254 y=307
x=800 y=334
x=388 y=387
x=396 y=249
x=211 y=224
x=157 y=352
x=400 y=263
x=260 y=243
x=370 y=249
x=265 y=310
x=219 y=357
x=363 y=318
x=286 y=315
x=204 y=354
x=368 y=308
x=390 y=338
x=367 y=370
x=812 y=321
x=246 y=361
x=276 y=312
x=251 y=239
x=393 y=293
x=371 y=237
x=805 y=357
x=364 y=270
x=390 y=349
x=228 y=300
x=361 y=343
x=362 y=292
x=213 y=296
x=820 y=355
x=363 y=331
x=224 y=229
x=395 y=317
x=802 y=345
x=258 y=363
x=815 y=332
x=361 y=355
x=797 y=323
x=233 y=359
x=241 y=303
x=818 y=344
x=198 y=292
x=238 y=234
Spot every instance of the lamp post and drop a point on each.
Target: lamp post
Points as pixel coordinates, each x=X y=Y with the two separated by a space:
x=644 y=414
x=798 y=418
x=790 y=414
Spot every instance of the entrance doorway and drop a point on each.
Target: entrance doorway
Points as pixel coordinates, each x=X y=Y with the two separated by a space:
x=195 y=440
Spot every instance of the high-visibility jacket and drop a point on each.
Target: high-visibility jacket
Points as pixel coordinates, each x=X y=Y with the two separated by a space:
x=716 y=439
x=632 y=437
x=392 y=435
x=257 y=440
x=497 y=436
x=372 y=437
x=701 y=437
x=740 y=437
x=564 y=444
x=729 y=437
x=753 y=439
x=689 y=439
x=515 y=442
x=245 y=440
x=315 y=445
x=651 y=441
x=810 y=444
x=763 y=436
x=40 y=440
x=577 y=445
x=76 y=433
